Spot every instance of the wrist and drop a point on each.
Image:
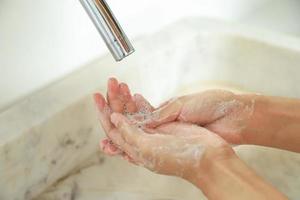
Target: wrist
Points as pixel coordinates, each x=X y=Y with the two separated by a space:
x=260 y=121
x=230 y=178
x=211 y=167
x=275 y=122
x=244 y=114
x=210 y=163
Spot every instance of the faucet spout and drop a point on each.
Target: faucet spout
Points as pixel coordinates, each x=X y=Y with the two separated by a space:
x=109 y=28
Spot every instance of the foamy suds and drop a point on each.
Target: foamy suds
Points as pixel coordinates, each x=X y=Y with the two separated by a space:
x=194 y=151
x=225 y=107
x=141 y=118
x=106 y=109
x=185 y=156
x=236 y=112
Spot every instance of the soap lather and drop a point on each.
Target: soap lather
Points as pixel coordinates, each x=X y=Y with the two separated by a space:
x=109 y=28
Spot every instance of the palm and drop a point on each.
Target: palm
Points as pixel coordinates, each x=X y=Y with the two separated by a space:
x=175 y=148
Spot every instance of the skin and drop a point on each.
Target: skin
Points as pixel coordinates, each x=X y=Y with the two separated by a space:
x=275 y=123
x=239 y=119
x=172 y=141
x=119 y=100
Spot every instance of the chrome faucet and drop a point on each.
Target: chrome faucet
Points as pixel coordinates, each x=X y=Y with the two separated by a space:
x=109 y=28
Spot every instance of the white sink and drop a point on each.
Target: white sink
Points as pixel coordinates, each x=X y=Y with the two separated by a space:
x=48 y=145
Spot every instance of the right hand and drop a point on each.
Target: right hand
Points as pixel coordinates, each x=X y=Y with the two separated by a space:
x=179 y=149
x=219 y=111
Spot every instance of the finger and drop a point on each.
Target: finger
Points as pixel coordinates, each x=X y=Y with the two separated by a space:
x=103 y=143
x=142 y=104
x=112 y=150
x=113 y=94
x=165 y=114
x=191 y=131
x=117 y=105
x=169 y=129
x=109 y=148
x=129 y=159
x=129 y=106
x=99 y=101
x=112 y=89
x=129 y=133
x=104 y=112
x=117 y=139
x=124 y=91
x=136 y=143
x=144 y=146
x=180 y=129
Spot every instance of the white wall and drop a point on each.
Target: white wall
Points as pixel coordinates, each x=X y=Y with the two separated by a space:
x=42 y=40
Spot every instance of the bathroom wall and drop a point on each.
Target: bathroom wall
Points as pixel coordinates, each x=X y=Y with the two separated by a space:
x=41 y=41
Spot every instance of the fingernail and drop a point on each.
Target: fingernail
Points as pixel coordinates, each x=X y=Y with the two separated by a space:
x=112 y=79
x=125 y=89
x=122 y=87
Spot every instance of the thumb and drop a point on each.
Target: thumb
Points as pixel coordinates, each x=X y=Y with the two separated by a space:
x=164 y=114
x=142 y=104
x=129 y=133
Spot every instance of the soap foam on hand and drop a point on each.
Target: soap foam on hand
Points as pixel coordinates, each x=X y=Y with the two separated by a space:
x=144 y=113
x=140 y=118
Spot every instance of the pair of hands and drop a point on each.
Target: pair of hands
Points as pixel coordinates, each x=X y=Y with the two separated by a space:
x=180 y=137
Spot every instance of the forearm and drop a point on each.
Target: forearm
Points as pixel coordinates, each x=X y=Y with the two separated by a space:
x=275 y=123
x=232 y=179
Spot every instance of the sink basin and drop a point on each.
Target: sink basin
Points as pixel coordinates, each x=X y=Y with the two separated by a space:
x=49 y=141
